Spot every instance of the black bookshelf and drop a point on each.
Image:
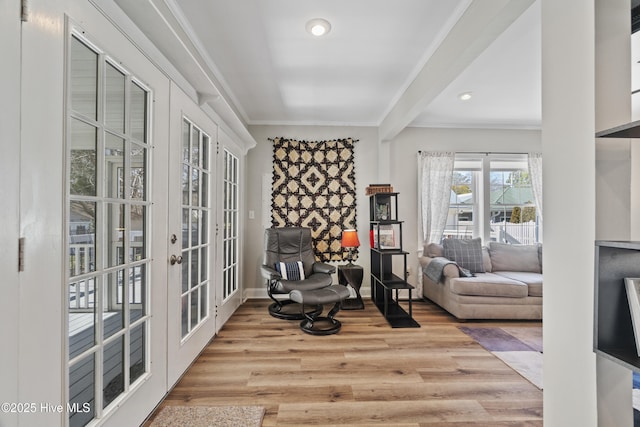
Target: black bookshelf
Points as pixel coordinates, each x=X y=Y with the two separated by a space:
x=613 y=332
x=386 y=235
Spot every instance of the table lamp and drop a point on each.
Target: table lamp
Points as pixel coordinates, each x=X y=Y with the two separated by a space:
x=350 y=240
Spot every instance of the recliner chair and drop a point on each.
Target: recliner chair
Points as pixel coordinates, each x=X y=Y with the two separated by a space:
x=289 y=245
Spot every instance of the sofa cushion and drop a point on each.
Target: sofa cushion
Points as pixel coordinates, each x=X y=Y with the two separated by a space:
x=506 y=257
x=532 y=280
x=467 y=253
x=433 y=250
x=540 y=257
x=486 y=260
x=489 y=284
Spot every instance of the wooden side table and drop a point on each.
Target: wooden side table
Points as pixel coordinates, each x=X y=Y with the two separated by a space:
x=351 y=274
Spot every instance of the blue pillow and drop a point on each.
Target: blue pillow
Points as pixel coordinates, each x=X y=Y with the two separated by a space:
x=291 y=270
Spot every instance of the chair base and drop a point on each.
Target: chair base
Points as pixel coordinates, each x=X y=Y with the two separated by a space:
x=310 y=326
x=332 y=294
x=291 y=310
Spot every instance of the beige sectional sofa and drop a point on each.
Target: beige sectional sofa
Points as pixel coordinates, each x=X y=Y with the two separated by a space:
x=509 y=288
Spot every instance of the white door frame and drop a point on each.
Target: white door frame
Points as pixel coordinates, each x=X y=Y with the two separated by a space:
x=41 y=204
x=10 y=207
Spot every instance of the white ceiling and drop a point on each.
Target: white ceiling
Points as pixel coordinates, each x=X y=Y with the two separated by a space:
x=505 y=81
x=387 y=63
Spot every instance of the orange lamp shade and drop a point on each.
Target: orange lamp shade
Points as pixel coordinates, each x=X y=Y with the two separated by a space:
x=350 y=239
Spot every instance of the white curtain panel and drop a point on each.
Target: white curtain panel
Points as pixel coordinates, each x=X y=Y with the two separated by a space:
x=434 y=185
x=435 y=174
x=535 y=173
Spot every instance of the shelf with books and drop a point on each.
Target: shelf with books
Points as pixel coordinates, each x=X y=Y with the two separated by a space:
x=383 y=207
x=386 y=244
x=387 y=235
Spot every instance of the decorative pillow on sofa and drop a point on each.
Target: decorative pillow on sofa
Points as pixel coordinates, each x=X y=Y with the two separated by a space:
x=486 y=259
x=433 y=250
x=291 y=270
x=507 y=257
x=467 y=253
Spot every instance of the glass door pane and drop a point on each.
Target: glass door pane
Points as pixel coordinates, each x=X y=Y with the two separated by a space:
x=107 y=287
x=195 y=220
x=230 y=234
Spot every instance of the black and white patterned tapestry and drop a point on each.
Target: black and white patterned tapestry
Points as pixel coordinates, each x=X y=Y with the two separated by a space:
x=314 y=186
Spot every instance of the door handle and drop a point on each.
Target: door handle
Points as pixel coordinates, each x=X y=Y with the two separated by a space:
x=175 y=260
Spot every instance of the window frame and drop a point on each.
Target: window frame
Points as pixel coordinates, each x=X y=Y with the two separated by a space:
x=480 y=165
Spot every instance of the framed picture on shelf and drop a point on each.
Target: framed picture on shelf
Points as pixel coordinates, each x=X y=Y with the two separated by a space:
x=383 y=211
x=385 y=237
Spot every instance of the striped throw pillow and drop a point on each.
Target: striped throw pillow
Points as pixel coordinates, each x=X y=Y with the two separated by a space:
x=291 y=270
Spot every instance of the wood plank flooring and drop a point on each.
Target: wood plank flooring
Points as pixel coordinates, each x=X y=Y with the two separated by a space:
x=368 y=374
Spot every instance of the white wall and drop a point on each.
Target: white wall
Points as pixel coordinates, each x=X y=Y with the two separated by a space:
x=568 y=149
x=260 y=162
x=613 y=107
x=613 y=178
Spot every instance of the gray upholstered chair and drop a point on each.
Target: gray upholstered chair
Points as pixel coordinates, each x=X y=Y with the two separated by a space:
x=290 y=245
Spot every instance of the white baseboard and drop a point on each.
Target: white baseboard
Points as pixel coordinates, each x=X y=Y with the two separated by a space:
x=255 y=293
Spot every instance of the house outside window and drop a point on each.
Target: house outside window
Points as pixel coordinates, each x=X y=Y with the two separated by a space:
x=492 y=198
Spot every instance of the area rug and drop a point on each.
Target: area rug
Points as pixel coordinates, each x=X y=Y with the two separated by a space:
x=520 y=348
x=209 y=416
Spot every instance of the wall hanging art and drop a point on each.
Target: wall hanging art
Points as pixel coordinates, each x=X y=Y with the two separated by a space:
x=314 y=186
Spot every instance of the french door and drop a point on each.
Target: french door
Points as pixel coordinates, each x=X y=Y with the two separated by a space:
x=229 y=294
x=192 y=244
x=109 y=206
x=115 y=319
x=119 y=180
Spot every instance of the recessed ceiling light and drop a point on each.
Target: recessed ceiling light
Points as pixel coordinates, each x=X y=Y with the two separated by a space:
x=318 y=27
x=465 y=96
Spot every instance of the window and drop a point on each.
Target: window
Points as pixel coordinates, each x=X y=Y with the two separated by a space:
x=492 y=198
x=463 y=209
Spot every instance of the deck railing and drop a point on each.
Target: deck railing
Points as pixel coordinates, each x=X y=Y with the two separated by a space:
x=82 y=292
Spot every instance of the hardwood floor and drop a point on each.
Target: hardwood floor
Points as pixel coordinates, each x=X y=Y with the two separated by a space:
x=368 y=374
